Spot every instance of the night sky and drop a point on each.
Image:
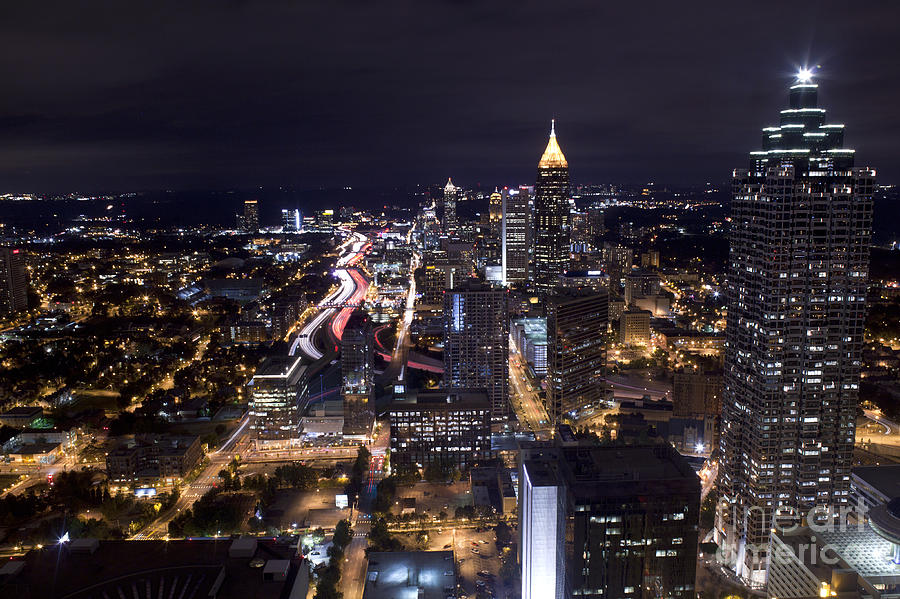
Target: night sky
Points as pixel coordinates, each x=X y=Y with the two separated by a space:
x=106 y=96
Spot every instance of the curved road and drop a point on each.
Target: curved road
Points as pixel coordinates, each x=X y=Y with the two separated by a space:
x=352 y=289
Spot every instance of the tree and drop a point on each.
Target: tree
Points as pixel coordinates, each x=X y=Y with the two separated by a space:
x=504 y=536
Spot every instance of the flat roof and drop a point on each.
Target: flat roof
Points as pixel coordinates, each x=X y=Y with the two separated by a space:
x=864 y=551
x=885 y=479
x=410 y=575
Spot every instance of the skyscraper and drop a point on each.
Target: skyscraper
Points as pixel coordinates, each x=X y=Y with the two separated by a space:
x=476 y=342
x=291 y=220
x=357 y=373
x=451 y=196
x=13 y=281
x=801 y=225
x=495 y=208
x=249 y=220
x=515 y=234
x=576 y=350
x=551 y=216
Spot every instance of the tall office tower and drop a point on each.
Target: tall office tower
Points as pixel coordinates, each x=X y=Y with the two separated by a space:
x=249 y=220
x=13 y=281
x=515 y=234
x=602 y=522
x=551 y=216
x=451 y=197
x=801 y=225
x=276 y=389
x=495 y=208
x=357 y=372
x=476 y=342
x=291 y=220
x=576 y=351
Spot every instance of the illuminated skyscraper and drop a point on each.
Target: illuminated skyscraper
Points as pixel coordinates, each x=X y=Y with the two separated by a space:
x=515 y=234
x=357 y=373
x=13 y=281
x=291 y=220
x=249 y=220
x=451 y=197
x=495 y=207
x=801 y=226
x=551 y=216
x=476 y=342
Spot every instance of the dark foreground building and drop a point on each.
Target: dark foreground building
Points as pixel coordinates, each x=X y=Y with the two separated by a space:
x=617 y=521
x=214 y=569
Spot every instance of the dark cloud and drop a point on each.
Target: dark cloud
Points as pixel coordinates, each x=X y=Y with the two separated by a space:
x=115 y=95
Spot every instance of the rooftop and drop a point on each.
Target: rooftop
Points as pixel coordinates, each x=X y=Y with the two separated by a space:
x=410 y=575
x=553 y=156
x=197 y=568
x=885 y=479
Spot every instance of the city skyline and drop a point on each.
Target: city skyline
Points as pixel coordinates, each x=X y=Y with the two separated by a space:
x=341 y=323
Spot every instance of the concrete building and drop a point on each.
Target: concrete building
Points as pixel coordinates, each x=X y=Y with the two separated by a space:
x=697 y=394
x=576 y=351
x=357 y=372
x=452 y=195
x=154 y=459
x=634 y=327
x=276 y=390
x=515 y=235
x=476 y=342
x=87 y=568
x=13 y=281
x=449 y=427
x=530 y=337
x=853 y=563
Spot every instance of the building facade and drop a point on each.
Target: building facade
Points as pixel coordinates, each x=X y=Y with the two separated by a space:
x=357 y=373
x=515 y=235
x=451 y=197
x=630 y=521
x=476 y=342
x=576 y=351
x=13 y=281
x=800 y=233
x=276 y=390
x=551 y=217
x=451 y=428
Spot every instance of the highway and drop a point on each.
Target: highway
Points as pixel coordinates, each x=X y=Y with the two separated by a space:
x=351 y=290
x=218 y=459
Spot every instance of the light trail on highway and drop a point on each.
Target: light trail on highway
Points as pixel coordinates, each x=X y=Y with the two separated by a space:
x=352 y=289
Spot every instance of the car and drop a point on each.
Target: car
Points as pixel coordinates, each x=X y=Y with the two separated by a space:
x=475 y=551
x=484 y=573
